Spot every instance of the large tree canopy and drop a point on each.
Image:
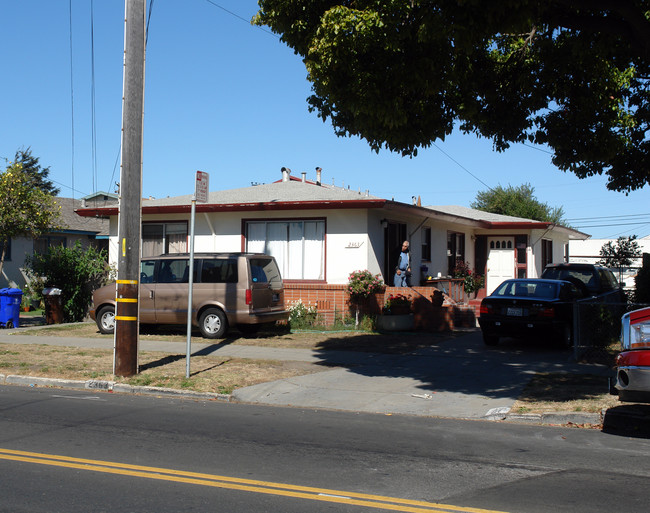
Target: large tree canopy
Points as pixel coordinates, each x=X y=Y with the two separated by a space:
x=518 y=202
x=571 y=74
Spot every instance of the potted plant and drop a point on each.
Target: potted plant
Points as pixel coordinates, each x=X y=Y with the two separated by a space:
x=472 y=282
x=397 y=304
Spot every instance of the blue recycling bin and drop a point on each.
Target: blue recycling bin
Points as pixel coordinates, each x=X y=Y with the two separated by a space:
x=10 y=307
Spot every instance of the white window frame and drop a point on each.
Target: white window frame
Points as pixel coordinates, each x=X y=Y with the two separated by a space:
x=298 y=245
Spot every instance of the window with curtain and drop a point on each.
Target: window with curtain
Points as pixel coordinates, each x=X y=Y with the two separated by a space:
x=163 y=238
x=298 y=246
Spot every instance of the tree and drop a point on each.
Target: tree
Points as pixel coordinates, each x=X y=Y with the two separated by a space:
x=38 y=174
x=77 y=271
x=620 y=254
x=570 y=74
x=517 y=202
x=25 y=209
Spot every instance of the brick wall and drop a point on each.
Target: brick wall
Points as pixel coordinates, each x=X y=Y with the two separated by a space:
x=332 y=300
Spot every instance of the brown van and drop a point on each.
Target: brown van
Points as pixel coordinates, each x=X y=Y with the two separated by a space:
x=240 y=289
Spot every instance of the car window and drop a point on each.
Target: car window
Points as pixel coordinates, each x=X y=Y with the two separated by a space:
x=265 y=270
x=219 y=271
x=147 y=268
x=608 y=280
x=522 y=288
x=174 y=271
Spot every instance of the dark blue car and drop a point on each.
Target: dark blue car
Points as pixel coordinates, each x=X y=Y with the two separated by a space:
x=526 y=308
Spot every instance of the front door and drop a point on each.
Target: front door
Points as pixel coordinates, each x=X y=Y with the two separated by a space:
x=394 y=236
x=501 y=261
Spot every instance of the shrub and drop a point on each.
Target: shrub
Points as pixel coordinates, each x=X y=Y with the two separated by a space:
x=76 y=271
x=302 y=316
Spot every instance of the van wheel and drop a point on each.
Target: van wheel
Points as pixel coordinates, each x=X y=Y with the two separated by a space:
x=106 y=320
x=213 y=323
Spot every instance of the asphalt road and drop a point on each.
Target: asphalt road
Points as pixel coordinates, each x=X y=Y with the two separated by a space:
x=69 y=451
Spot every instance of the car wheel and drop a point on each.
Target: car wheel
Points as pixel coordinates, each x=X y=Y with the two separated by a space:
x=565 y=338
x=490 y=340
x=213 y=323
x=106 y=320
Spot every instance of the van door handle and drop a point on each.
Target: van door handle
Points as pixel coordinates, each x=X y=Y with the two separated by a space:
x=151 y=294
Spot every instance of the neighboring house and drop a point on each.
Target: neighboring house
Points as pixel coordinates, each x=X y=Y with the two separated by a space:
x=321 y=233
x=588 y=251
x=88 y=231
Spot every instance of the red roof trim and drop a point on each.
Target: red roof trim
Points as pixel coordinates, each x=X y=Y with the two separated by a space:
x=240 y=207
x=516 y=225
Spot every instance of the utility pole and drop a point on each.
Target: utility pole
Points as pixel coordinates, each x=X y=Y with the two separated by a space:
x=129 y=219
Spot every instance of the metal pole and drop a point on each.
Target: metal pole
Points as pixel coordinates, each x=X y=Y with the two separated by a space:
x=129 y=219
x=190 y=285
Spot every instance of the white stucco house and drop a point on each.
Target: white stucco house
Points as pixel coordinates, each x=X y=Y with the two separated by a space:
x=321 y=233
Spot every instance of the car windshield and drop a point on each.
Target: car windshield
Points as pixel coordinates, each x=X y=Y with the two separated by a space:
x=525 y=288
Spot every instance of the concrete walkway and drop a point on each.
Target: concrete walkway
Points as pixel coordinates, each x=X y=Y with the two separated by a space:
x=460 y=377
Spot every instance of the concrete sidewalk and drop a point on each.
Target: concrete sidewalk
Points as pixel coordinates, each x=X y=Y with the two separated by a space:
x=460 y=377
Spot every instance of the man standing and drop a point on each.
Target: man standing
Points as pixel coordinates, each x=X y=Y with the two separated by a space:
x=403 y=269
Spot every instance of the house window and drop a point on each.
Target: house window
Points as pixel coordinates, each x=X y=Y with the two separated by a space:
x=164 y=238
x=547 y=252
x=426 y=244
x=42 y=244
x=455 y=250
x=298 y=246
x=6 y=247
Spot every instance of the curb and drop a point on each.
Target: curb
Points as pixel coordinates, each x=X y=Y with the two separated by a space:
x=110 y=386
x=555 y=418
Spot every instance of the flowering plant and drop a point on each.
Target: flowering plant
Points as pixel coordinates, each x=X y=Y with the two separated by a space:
x=471 y=281
x=397 y=302
x=362 y=284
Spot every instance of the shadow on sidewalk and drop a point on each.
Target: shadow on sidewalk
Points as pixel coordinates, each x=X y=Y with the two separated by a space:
x=461 y=364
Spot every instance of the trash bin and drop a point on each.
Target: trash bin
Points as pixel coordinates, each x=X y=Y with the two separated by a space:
x=53 y=306
x=10 y=307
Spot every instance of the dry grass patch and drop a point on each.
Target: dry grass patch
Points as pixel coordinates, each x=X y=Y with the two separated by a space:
x=208 y=373
x=552 y=392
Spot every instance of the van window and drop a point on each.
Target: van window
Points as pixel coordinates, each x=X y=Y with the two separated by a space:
x=174 y=271
x=147 y=268
x=265 y=270
x=219 y=271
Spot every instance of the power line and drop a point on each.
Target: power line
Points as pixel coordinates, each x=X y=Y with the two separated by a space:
x=460 y=165
x=248 y=22
x=71 y=98
x=608 y=217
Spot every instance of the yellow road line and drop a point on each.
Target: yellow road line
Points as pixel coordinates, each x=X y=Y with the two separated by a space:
x=233 y=483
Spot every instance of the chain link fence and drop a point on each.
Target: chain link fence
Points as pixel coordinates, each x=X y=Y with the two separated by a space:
x=597 y=325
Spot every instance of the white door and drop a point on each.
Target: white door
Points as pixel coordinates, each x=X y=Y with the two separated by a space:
x=501 y=261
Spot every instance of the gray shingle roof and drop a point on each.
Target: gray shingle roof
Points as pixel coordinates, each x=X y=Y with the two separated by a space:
x=69 y=220
x=293 y=190
x=479 y=215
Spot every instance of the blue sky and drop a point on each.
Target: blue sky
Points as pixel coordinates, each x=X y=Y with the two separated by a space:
x=229 y=99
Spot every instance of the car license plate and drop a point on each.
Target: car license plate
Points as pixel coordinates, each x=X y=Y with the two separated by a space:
x=514 y=311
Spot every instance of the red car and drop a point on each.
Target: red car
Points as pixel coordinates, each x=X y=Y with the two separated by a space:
x=633 y=363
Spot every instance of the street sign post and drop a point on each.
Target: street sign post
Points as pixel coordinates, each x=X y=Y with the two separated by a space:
x=201 y=187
